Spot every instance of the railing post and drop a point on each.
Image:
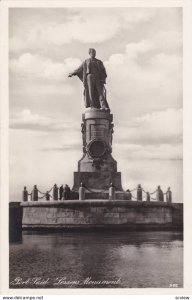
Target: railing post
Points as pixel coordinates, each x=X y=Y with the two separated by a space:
x=111 y=192
x=81 y=192
x=25 y=194
x=169 y=195
x=139 y=193
x=35 y=193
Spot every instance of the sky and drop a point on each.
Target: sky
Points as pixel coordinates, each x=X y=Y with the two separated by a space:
x=142 y=51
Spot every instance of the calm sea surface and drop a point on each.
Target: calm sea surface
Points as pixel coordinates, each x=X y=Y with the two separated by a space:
x=97 y=260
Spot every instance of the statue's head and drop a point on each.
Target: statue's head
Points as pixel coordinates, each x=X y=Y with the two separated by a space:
x=92 y=52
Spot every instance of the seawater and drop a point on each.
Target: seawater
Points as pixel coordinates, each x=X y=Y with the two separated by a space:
x=97 y=260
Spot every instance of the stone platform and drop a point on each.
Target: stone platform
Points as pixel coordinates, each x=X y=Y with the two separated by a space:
x=97 y=181
x=100 y=195
x=90 y=214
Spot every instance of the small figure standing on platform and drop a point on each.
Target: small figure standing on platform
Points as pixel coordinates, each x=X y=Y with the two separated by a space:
x=61 y=192
x=35 y=193
x=148 y=198
x=55 y=192
x=159 y=194
x=66 y=192
x=81 y=192
x=129 y=195
x=139 y=193
x=25 y=194
x=111 y=192
x=47 y=196
x=169 y=195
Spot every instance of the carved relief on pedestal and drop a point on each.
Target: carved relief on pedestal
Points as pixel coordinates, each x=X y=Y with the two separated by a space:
x=111 y=131
x=97 y=131
x=97 y=138
x=83 y=136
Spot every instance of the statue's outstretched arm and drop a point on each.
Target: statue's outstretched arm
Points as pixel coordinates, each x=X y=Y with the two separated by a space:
x=77 y=71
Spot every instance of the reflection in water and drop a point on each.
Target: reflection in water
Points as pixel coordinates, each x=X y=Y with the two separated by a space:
x=110 y=259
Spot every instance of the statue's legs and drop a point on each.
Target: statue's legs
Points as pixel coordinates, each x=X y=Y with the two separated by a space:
x=100 y=92
x=95 y=88
x=91 y=88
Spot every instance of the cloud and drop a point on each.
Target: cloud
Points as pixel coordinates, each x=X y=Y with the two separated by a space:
x=160 y=127
x=149 y=152
x=153 y=136
x=67 y=147
x=26 y=120
x=36 y=66
x=157 y=74
x=168 y=40
x=144 y=78
x=85 y=26
x=144 y=53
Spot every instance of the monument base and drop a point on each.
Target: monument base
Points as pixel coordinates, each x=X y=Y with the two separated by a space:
x=97 y=181
x=97 y=169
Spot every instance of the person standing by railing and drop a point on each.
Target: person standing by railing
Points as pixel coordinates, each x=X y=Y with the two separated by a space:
x=61 y=192
x=159 y=194
x=47 y=196
x=148 y=198
x=66 y=192
x=55 y=192
x=129 y=195
x=25 y=194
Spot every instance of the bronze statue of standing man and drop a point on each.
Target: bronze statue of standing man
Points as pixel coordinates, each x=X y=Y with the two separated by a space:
x=93 y=75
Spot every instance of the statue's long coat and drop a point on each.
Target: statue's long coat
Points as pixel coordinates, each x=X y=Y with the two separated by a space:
x=82 y=72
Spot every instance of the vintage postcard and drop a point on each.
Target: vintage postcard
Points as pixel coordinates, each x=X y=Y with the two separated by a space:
x=95 y=147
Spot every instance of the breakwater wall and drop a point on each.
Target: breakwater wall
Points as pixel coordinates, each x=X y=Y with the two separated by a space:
x=15 y=221
x=89 y=214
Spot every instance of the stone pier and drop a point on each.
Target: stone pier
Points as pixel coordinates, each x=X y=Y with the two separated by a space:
x=93 y=214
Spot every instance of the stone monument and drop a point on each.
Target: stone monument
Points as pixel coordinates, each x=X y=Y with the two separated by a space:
x=96 y=169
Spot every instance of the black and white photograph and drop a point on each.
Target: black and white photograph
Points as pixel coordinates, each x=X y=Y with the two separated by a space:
x=95 y=147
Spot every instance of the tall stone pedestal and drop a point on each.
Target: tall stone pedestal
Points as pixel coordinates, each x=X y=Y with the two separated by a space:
x=97 y=168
